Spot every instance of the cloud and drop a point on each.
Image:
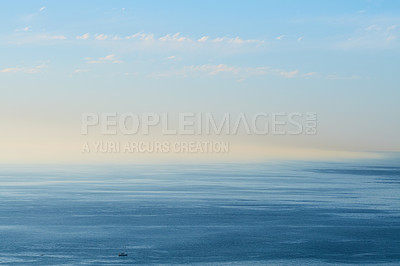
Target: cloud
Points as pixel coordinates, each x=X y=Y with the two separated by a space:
x=239 y=73
x=372 y=27
x=280 y=37
x=11 y=70
x=147 y=37
x=24 y=29
x=83 y=37
x=375 y=36
x=203 y=39
x=171 y=57
x=309 y=74
x=214 y=69
x=35 y=38
x=238 y=40
x=133 y=36
x=177 y=37
x=57 y=37
x=42 y=8
x=101 y=37
x=218 y=39
x=372 y=33
x=170 y=39
x=46 y=37
x=27 y=70
x=174 y=38
x=300 y=39
x=337 y=77
x=102 y=60
x=77 y=71
x=207 y=69
x=141 y=36
x=54 y=37
x=289 y=74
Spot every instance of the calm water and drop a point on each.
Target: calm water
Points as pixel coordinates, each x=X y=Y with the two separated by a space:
x=273 y=213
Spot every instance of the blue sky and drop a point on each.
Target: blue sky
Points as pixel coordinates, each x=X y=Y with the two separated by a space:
x=337 y=58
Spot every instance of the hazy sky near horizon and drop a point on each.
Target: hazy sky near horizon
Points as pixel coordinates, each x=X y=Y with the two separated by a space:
x=339 y=59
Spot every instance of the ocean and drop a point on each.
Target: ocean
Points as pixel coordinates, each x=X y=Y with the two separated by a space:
x=273 y=213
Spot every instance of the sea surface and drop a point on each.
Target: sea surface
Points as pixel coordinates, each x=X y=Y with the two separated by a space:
x=275 y=213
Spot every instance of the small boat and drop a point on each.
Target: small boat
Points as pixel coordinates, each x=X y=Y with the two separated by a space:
x=122 y=254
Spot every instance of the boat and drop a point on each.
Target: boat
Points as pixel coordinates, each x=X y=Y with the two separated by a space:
x=122 y=254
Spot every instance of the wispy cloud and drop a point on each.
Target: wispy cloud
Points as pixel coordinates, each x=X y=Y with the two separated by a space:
x=280 y=37
x=83 y=36
x=238 y=40
x=42 y=8
x=34 y=38
x=289 y=74
x=27 y=70
x=56 y=37
x=338 y=77
x=310 y=74
x=372 y=37
x=239 y=73
x=203 y=39
x=27 y=28
x=174 y=38
x=141 y=36
x=101 y=37
x=111 y=58
x=218 y=39
x=372 y=34
x=77 y=71
x=213 y=69
x=167 y=40
x=372 y=27
x=11 y=70
x=175 y=44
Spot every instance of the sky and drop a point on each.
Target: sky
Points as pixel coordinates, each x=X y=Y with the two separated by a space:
x=339 y=59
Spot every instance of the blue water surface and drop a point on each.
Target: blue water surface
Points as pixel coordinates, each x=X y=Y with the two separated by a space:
x=281 y=213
